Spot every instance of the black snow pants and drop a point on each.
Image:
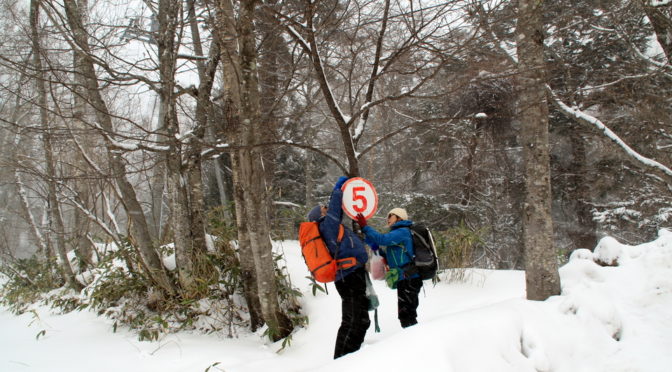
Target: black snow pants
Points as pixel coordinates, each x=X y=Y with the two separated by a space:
x=354 y=312
x=407 y=301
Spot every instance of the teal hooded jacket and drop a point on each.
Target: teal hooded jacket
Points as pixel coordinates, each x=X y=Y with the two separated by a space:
x=396 y=245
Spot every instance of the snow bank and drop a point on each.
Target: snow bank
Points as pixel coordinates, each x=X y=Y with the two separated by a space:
x=613 y=315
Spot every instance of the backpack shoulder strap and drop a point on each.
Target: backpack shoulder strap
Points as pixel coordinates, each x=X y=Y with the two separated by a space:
x=403 y=247
x=419 y=236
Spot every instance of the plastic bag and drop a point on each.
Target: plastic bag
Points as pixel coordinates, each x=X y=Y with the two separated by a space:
x=378 y=267
x=371 y=295
x=373 y=301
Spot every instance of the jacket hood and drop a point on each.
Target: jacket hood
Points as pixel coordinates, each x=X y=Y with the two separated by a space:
x=315 y=214
x=402 y=223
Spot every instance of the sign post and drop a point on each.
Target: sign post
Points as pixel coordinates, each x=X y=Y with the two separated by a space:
x=359 y=196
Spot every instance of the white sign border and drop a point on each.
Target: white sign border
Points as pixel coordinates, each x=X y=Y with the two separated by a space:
x=375 y=193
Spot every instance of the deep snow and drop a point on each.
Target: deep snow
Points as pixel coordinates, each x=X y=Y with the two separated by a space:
x=608 y=318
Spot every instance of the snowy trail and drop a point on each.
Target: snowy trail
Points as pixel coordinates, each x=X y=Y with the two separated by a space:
x=83 y=337
x=608 y=319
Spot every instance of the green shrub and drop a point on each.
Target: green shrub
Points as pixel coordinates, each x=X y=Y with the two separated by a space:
x=455 y=248
x=119 y=289
x=28 y=280
x=230 y=279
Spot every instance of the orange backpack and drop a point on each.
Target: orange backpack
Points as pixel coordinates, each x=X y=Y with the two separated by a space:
x=320 y=263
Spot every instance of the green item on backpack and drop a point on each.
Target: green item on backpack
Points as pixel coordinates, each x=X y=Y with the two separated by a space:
x=392 y=277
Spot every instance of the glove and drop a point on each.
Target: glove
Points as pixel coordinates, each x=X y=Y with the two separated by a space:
x=340 y=182
x=374 y=247
x=361 y=221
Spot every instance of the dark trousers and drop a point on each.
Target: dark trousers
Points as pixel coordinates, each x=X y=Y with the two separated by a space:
x=407 y=301
x=354 y=313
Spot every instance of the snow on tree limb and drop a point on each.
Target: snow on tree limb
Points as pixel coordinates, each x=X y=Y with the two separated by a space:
x=299 y=39
x=591 y=120
x=91 y=216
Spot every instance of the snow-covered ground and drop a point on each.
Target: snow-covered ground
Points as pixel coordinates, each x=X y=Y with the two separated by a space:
x=607 y=319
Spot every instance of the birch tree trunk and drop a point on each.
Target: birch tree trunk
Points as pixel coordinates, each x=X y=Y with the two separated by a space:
x=53 y=206
x=139 y=229
x=81 y=245
x=660 y=17
x=541 y=267
x=194 y=160
x=13 y=154
x=228 y=39
x=22 y=193
x=188 y=229
x=250 y=193
x=254 y=180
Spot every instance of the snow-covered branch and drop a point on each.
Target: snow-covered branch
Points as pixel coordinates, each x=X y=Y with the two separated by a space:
x=623 y=78
x=299 y=39
x=136 y=145
x=582 y=117
x=93 y=218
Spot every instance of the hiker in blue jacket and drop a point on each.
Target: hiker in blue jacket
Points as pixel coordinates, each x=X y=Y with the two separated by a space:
x=351 y=282
x=397 y=248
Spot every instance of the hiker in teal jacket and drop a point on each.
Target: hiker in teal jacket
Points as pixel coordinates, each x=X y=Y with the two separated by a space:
x=397 y=248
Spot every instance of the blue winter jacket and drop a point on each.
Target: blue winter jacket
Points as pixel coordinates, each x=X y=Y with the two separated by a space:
x=351 y=245
x=398 y=243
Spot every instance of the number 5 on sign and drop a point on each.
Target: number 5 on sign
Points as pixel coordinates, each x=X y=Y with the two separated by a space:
x=359 y=196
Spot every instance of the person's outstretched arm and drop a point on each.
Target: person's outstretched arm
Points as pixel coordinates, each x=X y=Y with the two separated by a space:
x=329 y=226
x=394 y=237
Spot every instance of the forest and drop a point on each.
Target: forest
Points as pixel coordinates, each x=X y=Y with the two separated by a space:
x=203 y=130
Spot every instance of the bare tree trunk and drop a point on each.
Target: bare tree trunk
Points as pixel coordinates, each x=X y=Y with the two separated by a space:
x=662 y=24
x=584 y=231
x=13 y=155
x=251 y=196
x=157 y=182
x=178 y=179
x=316 y=59
x=252 y=169
x=470 y=176
x=541 y=267
x=227 y=37
x=53 y=206
x=310 y=183
x=206 y=73
x=274 y=48
x=157 y=191
x=81 y=245
x=245 y=253
x=139 y=228
x=25 y=211
x=221 y=186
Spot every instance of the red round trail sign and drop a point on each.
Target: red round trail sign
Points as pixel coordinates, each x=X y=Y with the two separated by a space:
x=359 y=196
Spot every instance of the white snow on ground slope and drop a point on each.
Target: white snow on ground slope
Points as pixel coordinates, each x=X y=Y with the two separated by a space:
x=608 y=318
